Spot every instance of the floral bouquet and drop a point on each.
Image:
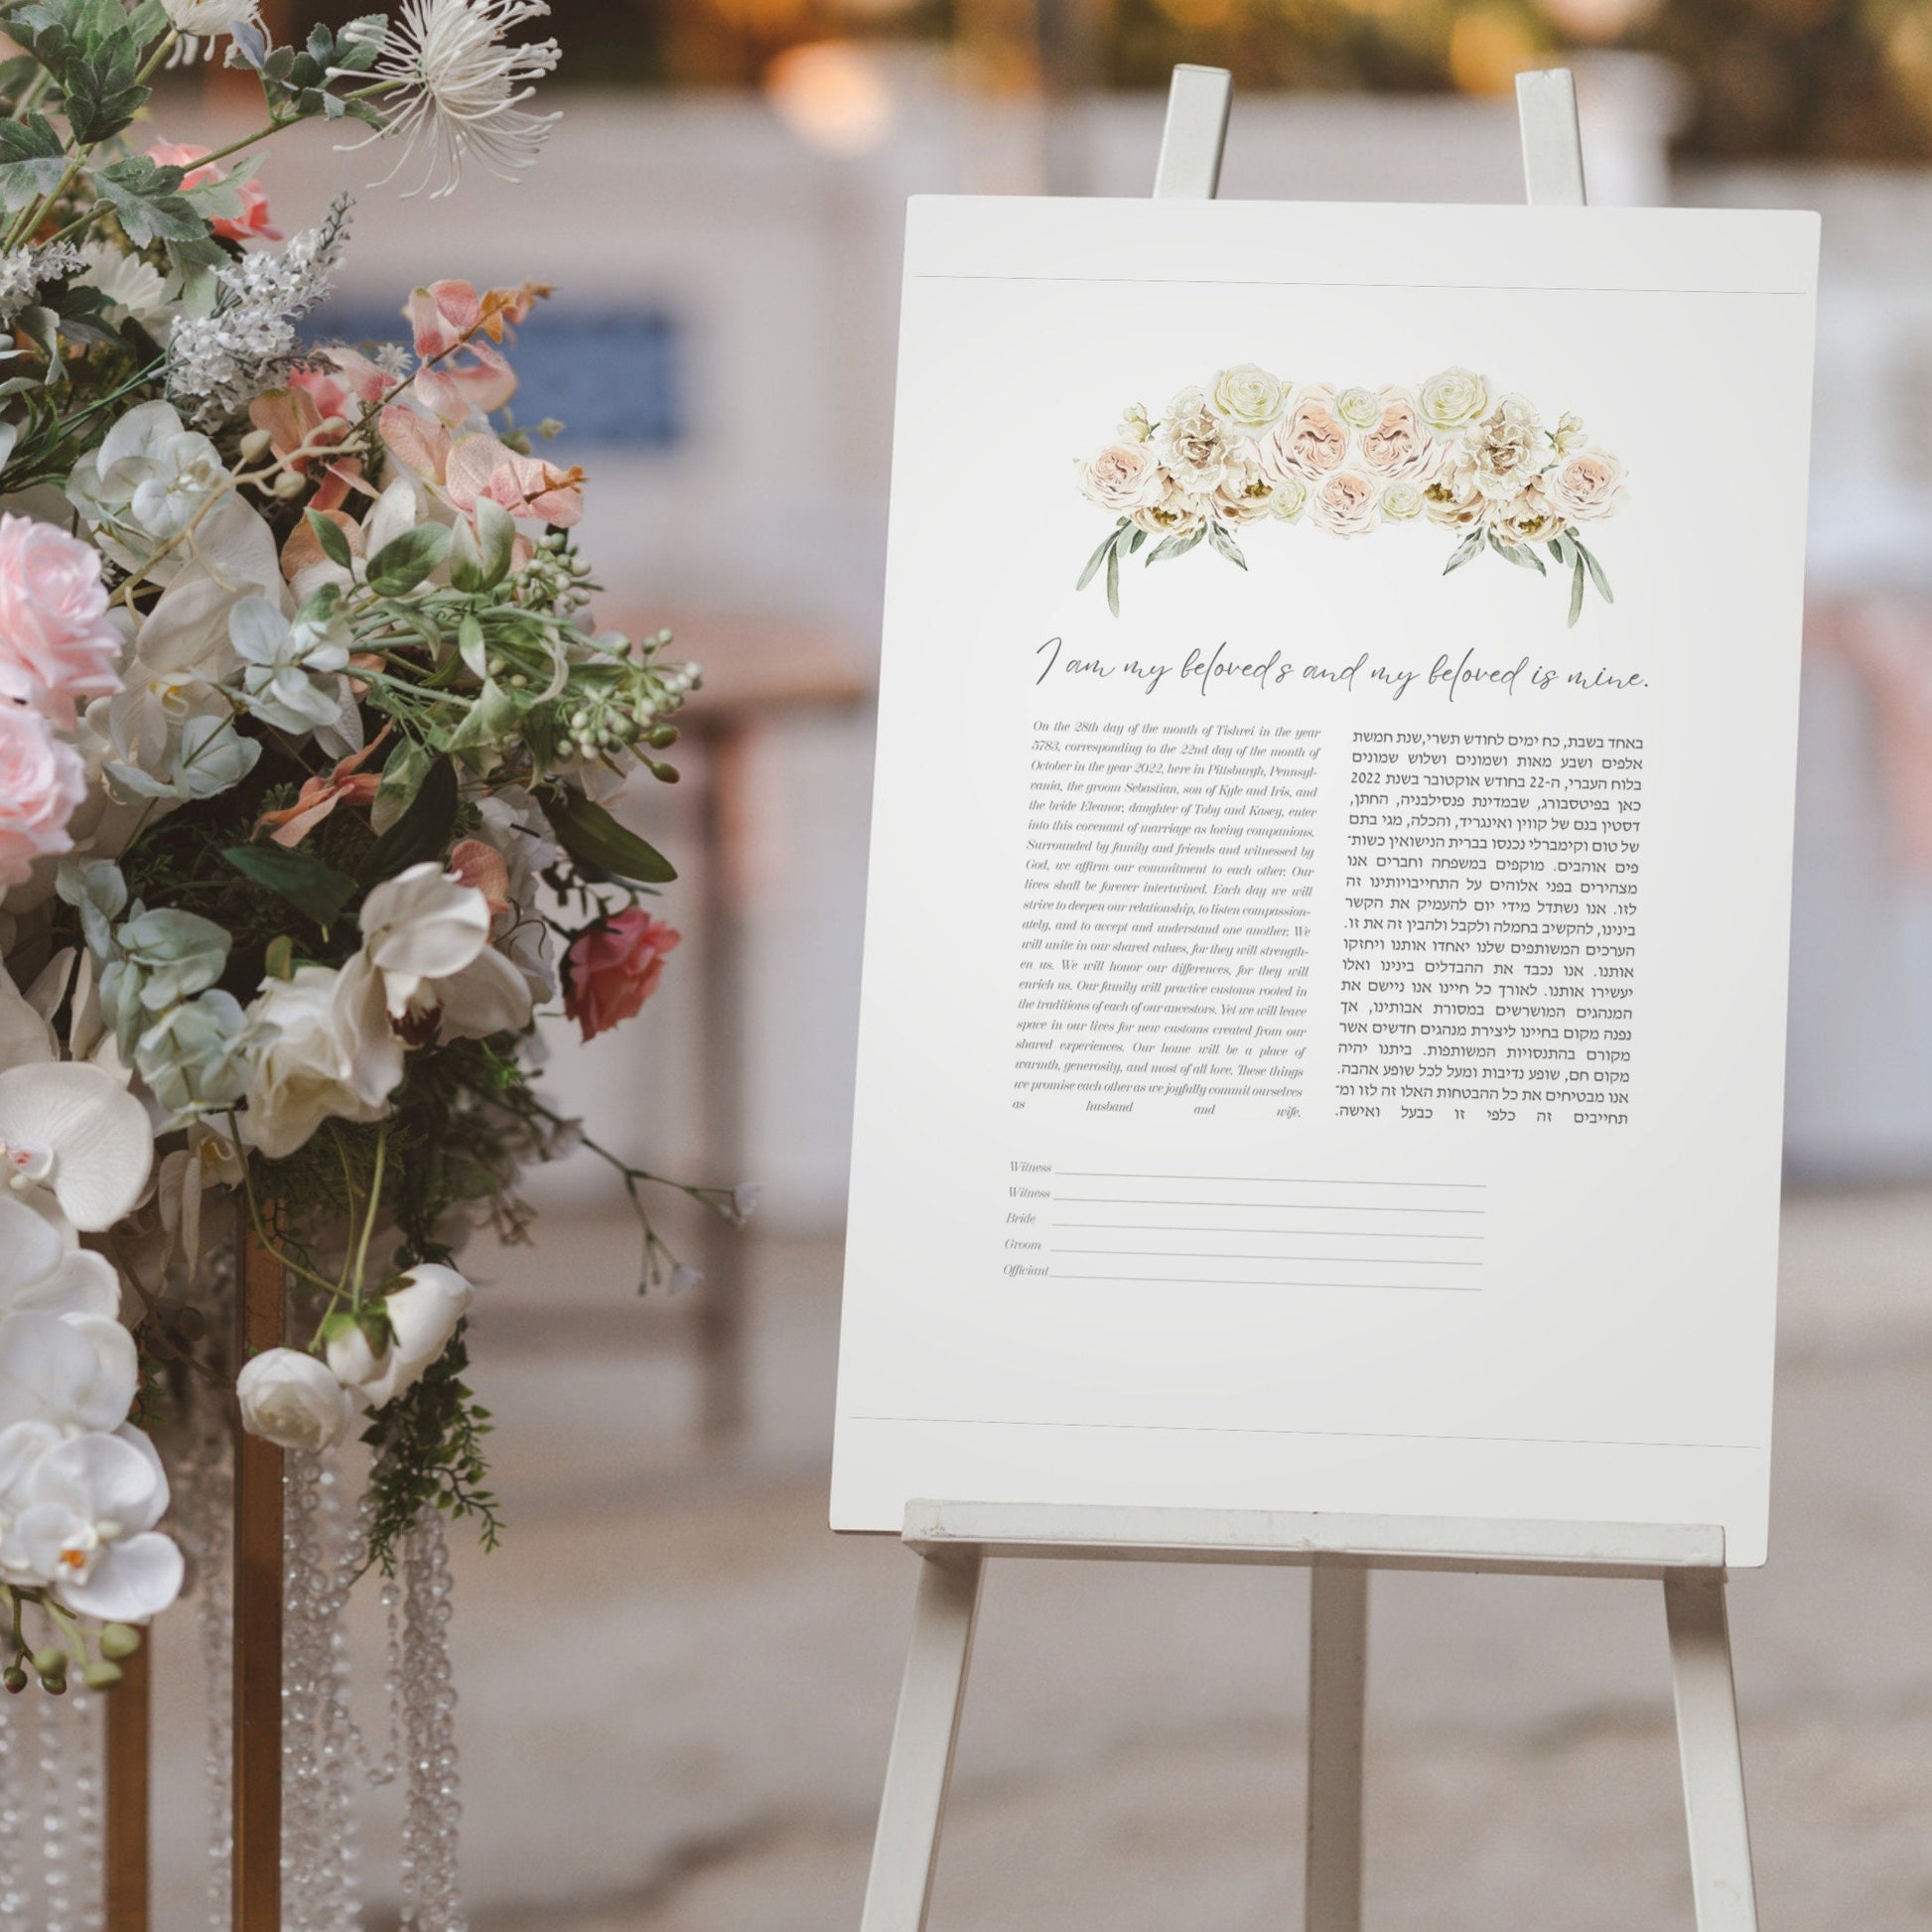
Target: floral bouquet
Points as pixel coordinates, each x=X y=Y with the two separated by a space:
x=1253 y=447
x=304 y=731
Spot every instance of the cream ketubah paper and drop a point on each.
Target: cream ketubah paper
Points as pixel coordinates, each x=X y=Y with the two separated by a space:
x=1321 y=1043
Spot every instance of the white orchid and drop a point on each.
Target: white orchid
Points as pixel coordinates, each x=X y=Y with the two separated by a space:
x=146 y=482
x=79 y=1518
x=291 y=671
x=426 y=935
x=72 y=1131
x=333 y=1057
x=70 y=1371
x=44 y=1267
x=421 y=1315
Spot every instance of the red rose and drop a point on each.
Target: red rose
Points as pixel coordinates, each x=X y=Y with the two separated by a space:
x=612 y=968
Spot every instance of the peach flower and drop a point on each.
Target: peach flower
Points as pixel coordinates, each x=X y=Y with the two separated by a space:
x=1587 y=486
x=56 y=644
x=1310 y=441
x=1123 y=478
x=347 y=784
x=612 y=968
x=1344 y=504
x=253 y=224
x=1397 y=444
x=42 y=781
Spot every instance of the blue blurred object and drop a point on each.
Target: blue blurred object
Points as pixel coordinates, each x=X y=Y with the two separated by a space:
x=612 y=376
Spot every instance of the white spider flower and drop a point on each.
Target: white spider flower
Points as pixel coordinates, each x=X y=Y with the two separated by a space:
x=456 y=89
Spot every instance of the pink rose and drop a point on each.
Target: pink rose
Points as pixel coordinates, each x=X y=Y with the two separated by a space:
x=1310 y=441
x=41 y=783
x=55 y=643
x=252 y=222
x=1397 y=446
x=612 y=968
x=1344 y=504
x=1587 y=486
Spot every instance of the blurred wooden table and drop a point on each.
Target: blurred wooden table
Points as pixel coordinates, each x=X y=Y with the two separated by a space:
x=758 y=672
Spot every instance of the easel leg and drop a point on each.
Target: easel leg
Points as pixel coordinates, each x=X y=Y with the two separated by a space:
x=906 y=1850
x=1707 y=1742
x=1338 y=1695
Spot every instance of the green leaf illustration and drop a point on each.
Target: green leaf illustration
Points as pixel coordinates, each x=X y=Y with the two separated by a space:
x=311 y=887
x=1101 y=555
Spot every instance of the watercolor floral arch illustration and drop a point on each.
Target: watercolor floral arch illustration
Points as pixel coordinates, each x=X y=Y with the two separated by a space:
x=1252 y=448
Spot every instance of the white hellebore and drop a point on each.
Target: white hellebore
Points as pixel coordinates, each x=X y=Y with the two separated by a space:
x=72 y=1132
x=78 y=1516
x=293 y=1400
x=333 y=1057
x=426 y=935
x=423 y=1313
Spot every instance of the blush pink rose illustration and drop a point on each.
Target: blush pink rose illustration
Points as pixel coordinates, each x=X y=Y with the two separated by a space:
x=41 y=783
x=1310 y=441
x=57 y=646
x=612 y=968
x=1397 y=446
x=1344 y=504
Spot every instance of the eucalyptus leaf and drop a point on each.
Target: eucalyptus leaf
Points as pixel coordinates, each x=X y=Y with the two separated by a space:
x=1596 y=575
x=311 y=887
x=1575 y=592
x=1140 y=537
x=598 y=844
x=1113 y=576
x=1226 y=545
x=1101 y=555
x=1464 y=551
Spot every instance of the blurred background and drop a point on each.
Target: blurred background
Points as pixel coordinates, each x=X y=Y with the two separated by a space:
x=677 y=1685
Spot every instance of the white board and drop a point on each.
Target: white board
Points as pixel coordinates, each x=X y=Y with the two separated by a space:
x=1322 y=1041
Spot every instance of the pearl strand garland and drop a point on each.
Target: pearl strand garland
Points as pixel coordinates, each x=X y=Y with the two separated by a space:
x=433 y=1812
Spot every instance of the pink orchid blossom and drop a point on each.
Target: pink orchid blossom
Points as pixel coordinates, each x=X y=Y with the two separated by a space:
x=56 y=644
x=253 y=224
x=42 y=781
x=480 y=466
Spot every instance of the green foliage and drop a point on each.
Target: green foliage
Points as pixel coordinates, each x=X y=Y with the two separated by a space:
x=32 y=160
x=316 y=891
x=428 y=1445
x=598 y=844
x=422 y=832
x=147 y=200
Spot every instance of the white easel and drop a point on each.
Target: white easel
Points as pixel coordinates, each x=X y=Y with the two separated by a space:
x=954 y=1539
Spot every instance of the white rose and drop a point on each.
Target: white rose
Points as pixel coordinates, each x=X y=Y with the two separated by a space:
x=1401 y=502
x=1359 y=408
x=1453 y=399
x=423 y=1314
x=293 y=1400
x=1510 y=445
x=1122 y=477
x=1249 y=398
x=331 y=1054
x=1290 y=499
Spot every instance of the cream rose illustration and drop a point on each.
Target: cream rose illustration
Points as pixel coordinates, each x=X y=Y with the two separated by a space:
x=1396 y=442
x=1343 y=503
x=1358 y=408
x=1528 y=517
x=1401 y=502
x=1585 y=487
x=1453 y=399
x=1310 y=441
x=1123 y=478
x=1246 y=490
x=1248 y=449
x=1509 y=446
x=1194 y=447
x=1451 y=496
x=1174 y=512
x=1248 y=398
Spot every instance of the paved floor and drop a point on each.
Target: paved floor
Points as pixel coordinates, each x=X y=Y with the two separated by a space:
x=678 y=1685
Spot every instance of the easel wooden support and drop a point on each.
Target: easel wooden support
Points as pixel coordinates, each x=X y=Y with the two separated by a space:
x=953 y=1540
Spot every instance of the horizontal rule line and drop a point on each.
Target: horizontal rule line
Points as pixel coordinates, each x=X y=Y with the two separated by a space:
x=1279 y=1206
x=1221 y=1254
x=1262 y=1179
x=1204 y=1227
x=1249 y=1280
